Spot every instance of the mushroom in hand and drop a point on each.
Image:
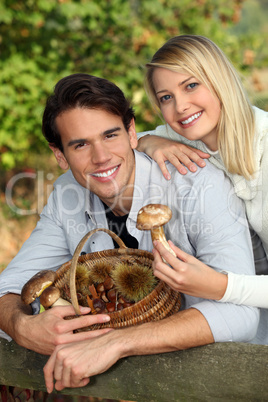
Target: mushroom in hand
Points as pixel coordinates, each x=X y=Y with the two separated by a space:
x=153 y=217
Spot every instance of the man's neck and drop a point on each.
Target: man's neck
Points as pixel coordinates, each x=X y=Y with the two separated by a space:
x=121 y=204
x=121 y=208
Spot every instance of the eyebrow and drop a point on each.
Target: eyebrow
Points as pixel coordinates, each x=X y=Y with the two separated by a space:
x=79 y=140
x=180 y=84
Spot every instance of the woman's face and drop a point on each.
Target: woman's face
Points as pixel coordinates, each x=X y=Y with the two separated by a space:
x=187 y=106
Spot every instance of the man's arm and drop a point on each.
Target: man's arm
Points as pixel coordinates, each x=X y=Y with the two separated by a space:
x=43 y=332
x=73 y=365
x=48 y=247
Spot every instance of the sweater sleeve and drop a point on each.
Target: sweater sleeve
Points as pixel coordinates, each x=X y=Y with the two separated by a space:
x=248 y=290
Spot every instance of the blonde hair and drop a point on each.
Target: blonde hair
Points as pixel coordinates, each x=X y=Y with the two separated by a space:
x=200 y=57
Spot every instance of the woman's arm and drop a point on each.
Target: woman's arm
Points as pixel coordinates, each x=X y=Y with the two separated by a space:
x=190 y=276
x=250 y=290
x=180 y=155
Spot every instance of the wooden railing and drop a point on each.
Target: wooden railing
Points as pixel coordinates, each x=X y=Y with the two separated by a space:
x=223 y=371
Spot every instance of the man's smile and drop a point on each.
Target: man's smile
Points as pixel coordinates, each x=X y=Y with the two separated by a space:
x=105 y=173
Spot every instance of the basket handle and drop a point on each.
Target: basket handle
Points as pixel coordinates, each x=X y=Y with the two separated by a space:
x=75 y=259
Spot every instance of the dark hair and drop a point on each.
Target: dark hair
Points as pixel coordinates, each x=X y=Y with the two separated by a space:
x=83 y=91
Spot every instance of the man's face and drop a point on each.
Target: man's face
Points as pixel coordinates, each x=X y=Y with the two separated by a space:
x=99 y=152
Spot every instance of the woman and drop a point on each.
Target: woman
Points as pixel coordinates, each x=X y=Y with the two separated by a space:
x=205 y=106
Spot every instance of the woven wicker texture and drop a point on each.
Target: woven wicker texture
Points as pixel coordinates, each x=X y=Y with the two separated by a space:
x=160 y=303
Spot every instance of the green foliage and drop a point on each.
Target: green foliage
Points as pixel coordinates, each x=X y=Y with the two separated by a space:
x=44 y=40
x=252 y=30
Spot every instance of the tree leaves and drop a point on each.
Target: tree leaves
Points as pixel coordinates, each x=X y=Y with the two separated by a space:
x=43 y=40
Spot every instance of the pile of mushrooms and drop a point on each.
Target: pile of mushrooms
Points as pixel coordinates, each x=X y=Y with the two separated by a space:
x=41 y=284
x=153 y=217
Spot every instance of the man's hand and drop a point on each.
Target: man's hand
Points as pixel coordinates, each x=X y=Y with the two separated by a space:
x=50 y=329
x=72 y=365
x=43 y=332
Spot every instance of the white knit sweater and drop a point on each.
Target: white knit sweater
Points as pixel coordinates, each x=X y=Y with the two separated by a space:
x=242 y=290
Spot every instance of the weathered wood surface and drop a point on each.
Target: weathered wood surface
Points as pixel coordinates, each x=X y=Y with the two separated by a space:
x=220 y=372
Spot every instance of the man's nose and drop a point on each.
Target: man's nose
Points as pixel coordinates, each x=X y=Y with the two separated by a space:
x=100 y=154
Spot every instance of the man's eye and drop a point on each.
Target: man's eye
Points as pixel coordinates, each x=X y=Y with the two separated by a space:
x=110 y=135
x=80 y=145
x=165 y=98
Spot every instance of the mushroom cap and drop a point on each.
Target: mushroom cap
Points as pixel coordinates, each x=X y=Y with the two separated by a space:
x=36 y=285
x=153 y=215
x=49 y=296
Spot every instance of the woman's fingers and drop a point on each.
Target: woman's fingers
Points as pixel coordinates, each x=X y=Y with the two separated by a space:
x=173 y=273
x=183 y=157
x=167 y=255
x=161 y=269
x=166 y=275
x=179 y=159
x=163 y=168
x=179 y=253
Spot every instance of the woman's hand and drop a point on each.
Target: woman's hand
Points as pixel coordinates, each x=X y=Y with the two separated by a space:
x=189 y=275
x=180 y=155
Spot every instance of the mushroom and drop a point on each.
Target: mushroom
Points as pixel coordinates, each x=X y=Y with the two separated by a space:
x=36 y=285
x=51 y=297
x=61 y=302
x=153 y=217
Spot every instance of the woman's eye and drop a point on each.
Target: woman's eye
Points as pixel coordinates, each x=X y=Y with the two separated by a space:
x=192 y=85
x=165 y=98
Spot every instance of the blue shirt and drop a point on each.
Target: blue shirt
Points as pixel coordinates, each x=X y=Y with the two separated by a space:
x=208 y=222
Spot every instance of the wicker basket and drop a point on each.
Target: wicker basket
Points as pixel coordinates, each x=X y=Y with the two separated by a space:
x=160 y=303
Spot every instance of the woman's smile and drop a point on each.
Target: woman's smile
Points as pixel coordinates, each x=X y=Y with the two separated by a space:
x=192 y=119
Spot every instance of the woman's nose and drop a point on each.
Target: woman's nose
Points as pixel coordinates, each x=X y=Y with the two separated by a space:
x=182 y=104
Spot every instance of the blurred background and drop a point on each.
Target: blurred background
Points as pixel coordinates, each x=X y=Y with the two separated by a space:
x=43 y=40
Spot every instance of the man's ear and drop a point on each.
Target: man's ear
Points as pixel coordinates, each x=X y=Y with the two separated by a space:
x=62 y=162
x=133 y=135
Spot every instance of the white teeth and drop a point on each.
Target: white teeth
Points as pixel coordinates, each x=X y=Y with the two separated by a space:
x=105 y=174
x=195 y=116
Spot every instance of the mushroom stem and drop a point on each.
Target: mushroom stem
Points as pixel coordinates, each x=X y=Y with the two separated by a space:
x=159 y=234
x=61 y=302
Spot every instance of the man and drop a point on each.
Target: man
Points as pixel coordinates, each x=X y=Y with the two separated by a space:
x=90 y=127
